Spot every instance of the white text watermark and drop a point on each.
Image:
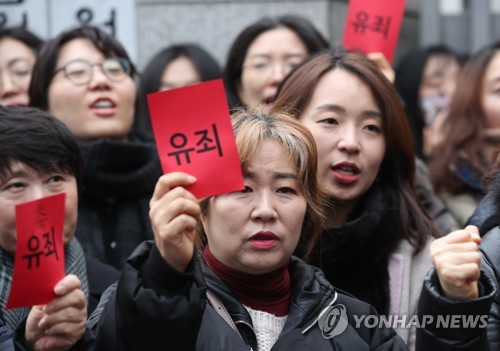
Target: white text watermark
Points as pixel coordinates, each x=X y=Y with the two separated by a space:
x=334 y=321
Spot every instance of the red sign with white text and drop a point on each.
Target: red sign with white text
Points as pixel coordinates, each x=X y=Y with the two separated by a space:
x=193 y=133
x=373 y=26
x=39 y=261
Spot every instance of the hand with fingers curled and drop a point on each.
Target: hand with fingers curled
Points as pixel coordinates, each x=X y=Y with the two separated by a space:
x=457 y=260
x=174 y=213
x=383 y=65
x=58 y=325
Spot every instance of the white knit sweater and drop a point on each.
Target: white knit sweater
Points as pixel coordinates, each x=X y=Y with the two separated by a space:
x=267 y=328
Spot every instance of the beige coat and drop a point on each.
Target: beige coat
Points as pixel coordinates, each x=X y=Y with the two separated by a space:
x=461 y=207
x=406 y=276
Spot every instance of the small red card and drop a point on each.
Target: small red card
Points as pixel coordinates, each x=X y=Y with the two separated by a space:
x=39 y=261
x=193 y=133
x=373 y=26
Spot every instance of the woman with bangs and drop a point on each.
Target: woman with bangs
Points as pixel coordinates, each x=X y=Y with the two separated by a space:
x=84 y=77
x=471 y=134
x=262 y=55
x=18 y=47
x=240 y=288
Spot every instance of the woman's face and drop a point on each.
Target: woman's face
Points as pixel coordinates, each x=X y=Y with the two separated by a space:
x=257 y=229
x=101 y=108
x=491 y=93
x=439 y=81
x=178 y=73
x=439 y=76
x=271 y=56
x=348 y=128
x=16 y=65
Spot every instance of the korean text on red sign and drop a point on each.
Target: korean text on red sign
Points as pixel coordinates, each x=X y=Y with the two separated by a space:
x=39 y=259
x=193 y=133
x=373 y=26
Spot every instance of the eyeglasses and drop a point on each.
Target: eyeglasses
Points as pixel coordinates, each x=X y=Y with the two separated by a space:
x=19 y=71
x=267 y=68
x=79 y=72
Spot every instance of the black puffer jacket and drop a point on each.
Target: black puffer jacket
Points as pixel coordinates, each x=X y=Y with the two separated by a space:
x=487 y=213
x=490 y=250
x=153 y=305
x=477 y=338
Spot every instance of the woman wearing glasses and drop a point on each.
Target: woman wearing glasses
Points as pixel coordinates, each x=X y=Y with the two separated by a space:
x=263 y=54
x=18 y=48
x=85 y=78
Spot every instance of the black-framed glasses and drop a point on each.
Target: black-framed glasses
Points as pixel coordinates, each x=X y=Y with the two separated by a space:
x=79 y=72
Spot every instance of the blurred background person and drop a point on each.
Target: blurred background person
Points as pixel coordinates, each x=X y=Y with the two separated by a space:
x=426 y=80
x=18 y=47
x=175 y=67
x=263 y=54
x=471 y=134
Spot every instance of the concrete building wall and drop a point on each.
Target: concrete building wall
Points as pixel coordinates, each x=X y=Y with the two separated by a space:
x=464 y=25
x=147 y=26
x=215 y=23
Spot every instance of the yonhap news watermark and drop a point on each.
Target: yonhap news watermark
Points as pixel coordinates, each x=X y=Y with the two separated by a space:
x=439 y=321
x=333 y=321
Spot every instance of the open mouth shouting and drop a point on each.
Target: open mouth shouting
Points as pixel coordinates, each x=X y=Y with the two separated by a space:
x=346 y=172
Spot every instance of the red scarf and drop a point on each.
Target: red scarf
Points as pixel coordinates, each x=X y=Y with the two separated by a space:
x=269 y=292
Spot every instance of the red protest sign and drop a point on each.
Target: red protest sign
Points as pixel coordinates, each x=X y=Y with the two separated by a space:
x=373 y=26
x=39 y=261
x=193 y=133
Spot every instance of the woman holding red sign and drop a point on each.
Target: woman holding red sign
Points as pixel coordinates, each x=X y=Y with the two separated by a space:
x=243 y=289
x=39 y=158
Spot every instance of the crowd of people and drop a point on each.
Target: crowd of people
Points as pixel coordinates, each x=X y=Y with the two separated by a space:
x=368 y=191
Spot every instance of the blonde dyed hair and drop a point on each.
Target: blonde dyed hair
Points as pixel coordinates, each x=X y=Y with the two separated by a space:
x=251 y=130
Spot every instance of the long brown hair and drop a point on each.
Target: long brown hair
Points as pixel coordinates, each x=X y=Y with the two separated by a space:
x=398 y=167
x=464 y=127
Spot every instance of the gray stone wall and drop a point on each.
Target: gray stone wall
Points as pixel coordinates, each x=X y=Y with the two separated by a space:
x=212 y=24
x=147 y=26
x=215 y=23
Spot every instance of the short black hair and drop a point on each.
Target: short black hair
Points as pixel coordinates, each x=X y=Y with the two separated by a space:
x=306 y=31
x=38 y=140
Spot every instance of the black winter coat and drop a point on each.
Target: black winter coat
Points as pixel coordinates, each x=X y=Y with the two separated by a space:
x=153 y=305
x=487 y=218
x=113 y=209
x=479 y=337
x=490 y=250
x=487 y=213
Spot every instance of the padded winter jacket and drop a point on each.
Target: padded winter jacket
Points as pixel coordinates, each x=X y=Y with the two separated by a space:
x=481 y=335
x=153 y=304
